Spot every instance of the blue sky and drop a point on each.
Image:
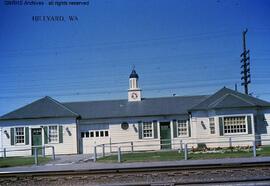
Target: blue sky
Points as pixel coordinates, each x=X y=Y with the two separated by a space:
x=183 y=47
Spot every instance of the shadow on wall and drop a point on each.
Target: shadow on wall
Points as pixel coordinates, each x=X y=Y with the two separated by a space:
x=261 y=126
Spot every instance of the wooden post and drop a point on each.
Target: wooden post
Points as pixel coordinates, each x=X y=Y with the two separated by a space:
x=5 y=153
x=110 y=145
x=230 y=143
x=95 y=153
x=43 y=151
x=186 y=152
x=254 y=149
x=132 y=147
x=103 y=150
x=119 y=154
x=53 y=153
x=36 y=155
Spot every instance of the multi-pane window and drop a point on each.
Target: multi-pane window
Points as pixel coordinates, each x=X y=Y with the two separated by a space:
x=147 y=129
x=212 y=125
x=182 y=127
x=235 y=124
x=53 y=134
x=19 y=135
x=97 y=133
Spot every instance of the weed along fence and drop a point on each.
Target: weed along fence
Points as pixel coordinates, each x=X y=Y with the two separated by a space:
x=182 y=149
x=34 y=151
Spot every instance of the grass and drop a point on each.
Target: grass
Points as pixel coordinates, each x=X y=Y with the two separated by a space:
x=21 y=161
x=264 y=151
x=174 y=155
x=144 y=156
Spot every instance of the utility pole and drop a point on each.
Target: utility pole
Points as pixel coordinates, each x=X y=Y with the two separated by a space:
x=245 y=61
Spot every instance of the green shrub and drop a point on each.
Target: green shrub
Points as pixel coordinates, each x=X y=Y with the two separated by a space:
x=201 y=146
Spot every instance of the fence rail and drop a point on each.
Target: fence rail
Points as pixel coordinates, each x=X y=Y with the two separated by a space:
x=33 y=148
x=181 y=145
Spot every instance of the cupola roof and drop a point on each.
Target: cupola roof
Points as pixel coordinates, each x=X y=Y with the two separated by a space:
x=134 y=74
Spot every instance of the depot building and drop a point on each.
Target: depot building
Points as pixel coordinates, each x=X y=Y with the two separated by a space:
x=76 y=127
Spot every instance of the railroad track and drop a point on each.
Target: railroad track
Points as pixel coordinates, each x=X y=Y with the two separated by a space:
x=216 y=174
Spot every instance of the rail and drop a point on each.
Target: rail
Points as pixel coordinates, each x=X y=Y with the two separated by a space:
x=35 y=149
x=181 y=146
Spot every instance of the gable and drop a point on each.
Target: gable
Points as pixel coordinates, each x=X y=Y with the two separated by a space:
x=227 y=98
x=230 y=101
x=42 y=108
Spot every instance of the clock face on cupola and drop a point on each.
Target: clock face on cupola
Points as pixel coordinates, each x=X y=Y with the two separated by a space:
x=134 y=92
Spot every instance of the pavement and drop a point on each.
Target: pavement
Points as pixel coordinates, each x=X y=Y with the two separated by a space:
x=82 y=162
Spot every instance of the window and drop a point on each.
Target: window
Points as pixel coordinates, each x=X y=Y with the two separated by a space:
x=101 y=133
x=212 y=125
x=19 y=135
x=53 y=134
x=97 y=133
x=82 y=134
x=182 y=127
x=235 y=125
x=147 y=130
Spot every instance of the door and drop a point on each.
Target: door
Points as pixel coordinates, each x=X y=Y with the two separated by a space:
x=36 y=140
x=165 y=135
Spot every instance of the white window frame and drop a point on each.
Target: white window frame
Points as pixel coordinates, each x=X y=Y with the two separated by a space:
x=57 y=132
x=236 y=133
x=15 y=135
x=178 y=127
x=152 y=129
x=213 y=125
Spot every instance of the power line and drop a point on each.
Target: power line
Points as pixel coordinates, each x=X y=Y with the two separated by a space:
x=196 y=37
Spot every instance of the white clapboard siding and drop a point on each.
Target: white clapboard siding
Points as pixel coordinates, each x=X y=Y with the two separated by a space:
x=69 y=145
x=118 y=135
x=266 y=121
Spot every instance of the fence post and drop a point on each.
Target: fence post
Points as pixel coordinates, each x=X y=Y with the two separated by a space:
x=186 y=152
x=5 y=153
x=53 y=153
x=181 y=145
x=103 y=150
x=36 y=155
x=254 y=148
x=132 y=148
x=110 y=145
x=95 y=153
x=230 y=143
x=119 y=154
x=43 y=151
